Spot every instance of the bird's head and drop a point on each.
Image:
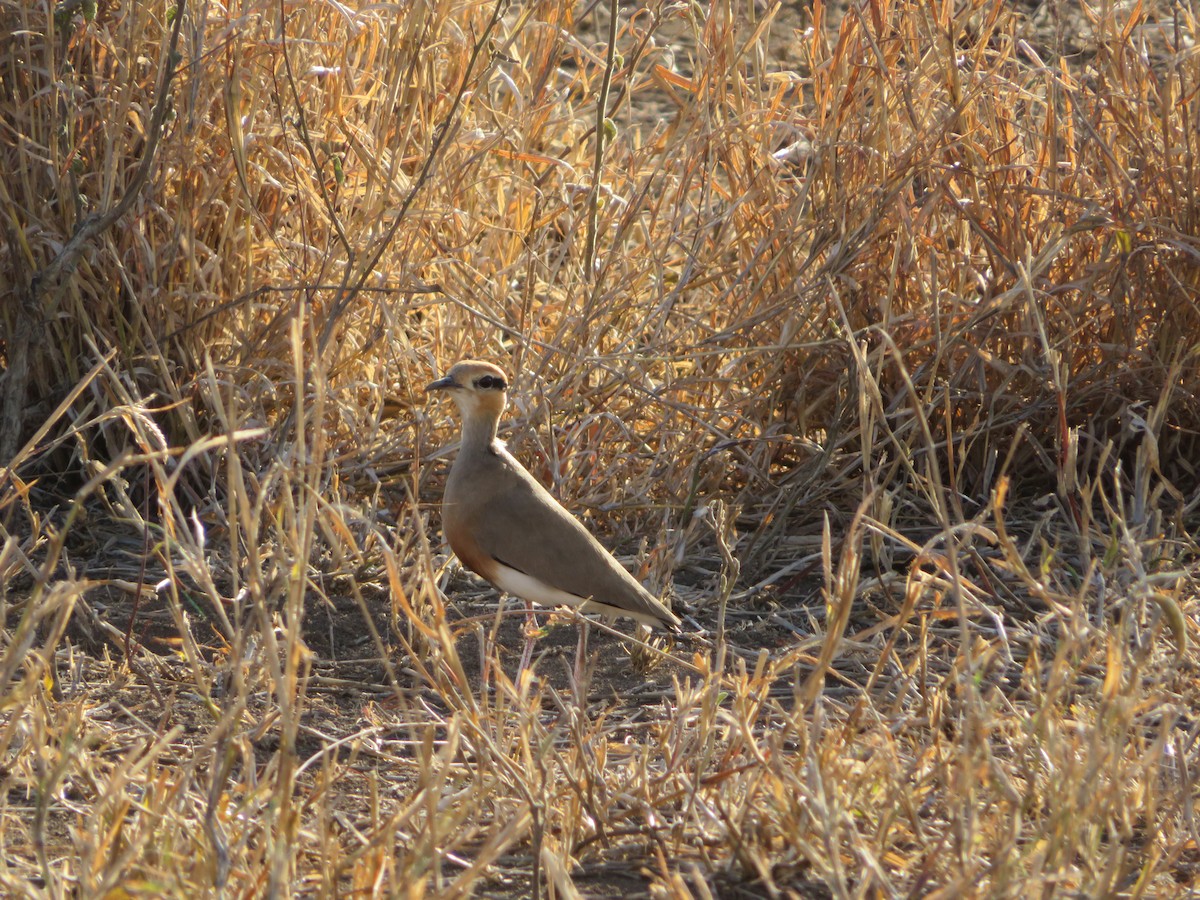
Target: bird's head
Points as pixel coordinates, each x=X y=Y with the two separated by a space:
x=477 y=388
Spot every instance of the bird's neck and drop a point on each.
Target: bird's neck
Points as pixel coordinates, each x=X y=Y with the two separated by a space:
x=479 y=433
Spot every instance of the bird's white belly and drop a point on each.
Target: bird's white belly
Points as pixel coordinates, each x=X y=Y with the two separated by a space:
x=537 y=591
x=529 y=588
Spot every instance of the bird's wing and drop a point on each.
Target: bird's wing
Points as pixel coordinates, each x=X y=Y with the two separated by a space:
x=522 y=526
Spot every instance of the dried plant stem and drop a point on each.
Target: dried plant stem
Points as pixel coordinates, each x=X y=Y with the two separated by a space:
x=28 y=329
x=602 y=138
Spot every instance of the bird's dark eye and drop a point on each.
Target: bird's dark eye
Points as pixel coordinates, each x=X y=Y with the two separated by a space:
x=490 y=382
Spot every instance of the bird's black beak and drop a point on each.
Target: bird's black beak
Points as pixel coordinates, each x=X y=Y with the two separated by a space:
x=445 y=383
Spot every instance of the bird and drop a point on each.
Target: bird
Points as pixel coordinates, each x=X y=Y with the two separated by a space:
x=505 y=526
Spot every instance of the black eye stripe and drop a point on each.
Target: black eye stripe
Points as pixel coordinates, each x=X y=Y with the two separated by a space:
x=489 y=382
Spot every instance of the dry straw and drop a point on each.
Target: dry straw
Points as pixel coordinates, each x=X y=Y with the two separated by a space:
x=871 y=329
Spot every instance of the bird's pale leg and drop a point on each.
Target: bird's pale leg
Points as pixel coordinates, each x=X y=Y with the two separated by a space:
x=581 y=658
x=531 y=632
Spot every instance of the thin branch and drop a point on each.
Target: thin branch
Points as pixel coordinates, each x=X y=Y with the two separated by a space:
x=441 y=136
x=602 y=138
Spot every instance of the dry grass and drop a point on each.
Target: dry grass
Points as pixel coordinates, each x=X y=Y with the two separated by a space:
x=879 y=334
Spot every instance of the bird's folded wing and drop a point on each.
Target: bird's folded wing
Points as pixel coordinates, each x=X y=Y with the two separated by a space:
x=525 y=528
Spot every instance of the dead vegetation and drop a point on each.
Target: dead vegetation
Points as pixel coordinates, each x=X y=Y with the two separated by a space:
x=874 y=338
